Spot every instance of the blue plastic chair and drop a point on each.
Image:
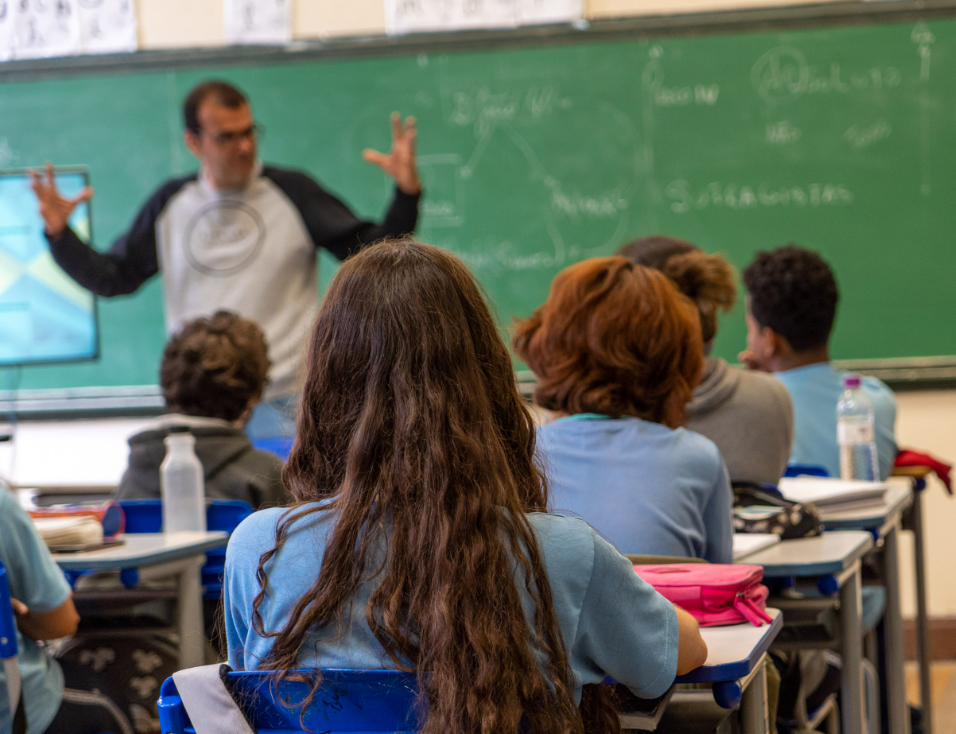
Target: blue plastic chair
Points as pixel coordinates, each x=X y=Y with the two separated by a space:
x=809 y=470
x=8 y=654
x=354 y=701
x=146 y=516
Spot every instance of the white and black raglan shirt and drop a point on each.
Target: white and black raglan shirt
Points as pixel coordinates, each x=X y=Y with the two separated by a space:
x=251 y=251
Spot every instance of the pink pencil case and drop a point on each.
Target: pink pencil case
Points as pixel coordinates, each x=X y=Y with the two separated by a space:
x=713 y=593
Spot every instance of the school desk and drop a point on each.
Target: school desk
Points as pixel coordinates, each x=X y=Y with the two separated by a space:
x=884 y=522
x=833 y=559
x=161 y=556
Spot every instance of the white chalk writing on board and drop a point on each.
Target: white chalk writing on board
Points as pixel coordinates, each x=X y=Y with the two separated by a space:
x=258 y=21
x=107 y=26
x=43 y=28
x=684 y=197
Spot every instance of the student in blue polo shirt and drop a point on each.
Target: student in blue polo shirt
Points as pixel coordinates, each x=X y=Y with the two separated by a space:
x=617 y=352
x=791 y=305
x=43 y=607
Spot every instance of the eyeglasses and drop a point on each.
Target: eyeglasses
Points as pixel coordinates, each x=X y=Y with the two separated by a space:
x=226 y=139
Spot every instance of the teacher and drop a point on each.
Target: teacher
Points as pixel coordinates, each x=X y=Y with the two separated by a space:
x=236 y=235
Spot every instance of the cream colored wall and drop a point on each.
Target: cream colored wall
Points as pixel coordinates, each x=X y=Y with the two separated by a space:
x=927 y=421
x=192 y=23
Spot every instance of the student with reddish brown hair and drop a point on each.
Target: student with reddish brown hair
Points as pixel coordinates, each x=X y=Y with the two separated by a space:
x=420 y=539
x=617 y=351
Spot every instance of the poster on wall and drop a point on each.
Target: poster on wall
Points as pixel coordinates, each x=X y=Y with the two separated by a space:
x=418 y=16
x=44 y=28
x=258 y=21
x=33 y=29
x=107 y=26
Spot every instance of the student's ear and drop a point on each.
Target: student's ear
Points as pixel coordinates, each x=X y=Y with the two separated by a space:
x=193 y=143
x=777 y=344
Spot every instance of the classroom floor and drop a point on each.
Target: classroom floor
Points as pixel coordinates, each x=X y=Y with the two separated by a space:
x=944 y=694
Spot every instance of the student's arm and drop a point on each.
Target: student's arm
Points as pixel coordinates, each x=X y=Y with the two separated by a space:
x=628 y=631
x=130 y=261
x=52 y=625
x=691 y=648
x=332 y=225
x=718 y=517
x=44 y=606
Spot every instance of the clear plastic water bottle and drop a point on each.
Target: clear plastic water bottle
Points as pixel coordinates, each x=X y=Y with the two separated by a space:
x=181 y=485
x=855 y=433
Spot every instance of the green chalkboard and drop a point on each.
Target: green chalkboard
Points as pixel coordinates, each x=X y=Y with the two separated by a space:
x=841 y=139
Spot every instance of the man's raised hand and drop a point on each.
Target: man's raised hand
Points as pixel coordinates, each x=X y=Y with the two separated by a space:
x=399 y=162
x=54 y=208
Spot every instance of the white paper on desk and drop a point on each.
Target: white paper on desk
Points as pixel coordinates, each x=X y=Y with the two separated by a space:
x=826 y=492
x=416 y=16
x=107 y=26
x=59 y=532
x=746 y=544
x=549 y=11
x=45 y=28
x=258 y=21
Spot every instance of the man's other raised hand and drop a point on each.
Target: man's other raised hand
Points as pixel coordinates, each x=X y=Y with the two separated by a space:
x=399 y=162
x=54 y=208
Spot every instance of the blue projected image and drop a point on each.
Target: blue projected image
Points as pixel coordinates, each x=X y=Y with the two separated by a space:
x=44 y=315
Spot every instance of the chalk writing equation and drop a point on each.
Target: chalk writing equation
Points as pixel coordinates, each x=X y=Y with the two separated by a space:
x=784 y=73
x=486 y=109
x=685 y=198
x=863 y=136
x=652 y=79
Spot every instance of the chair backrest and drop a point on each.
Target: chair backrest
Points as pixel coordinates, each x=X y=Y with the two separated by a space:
x=347 y=701
x=8 y=643
x=809 y=470
x=658 y=560
x=146 y=516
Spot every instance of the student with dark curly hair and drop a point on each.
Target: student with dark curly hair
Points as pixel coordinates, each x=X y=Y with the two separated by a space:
x=212 y=375
x=747 y=414
x=791 y=305
x=420 y=539
x=617 y=351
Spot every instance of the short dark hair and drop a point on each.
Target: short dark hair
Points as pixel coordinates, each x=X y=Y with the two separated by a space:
x=224 y=94
x=215 y=367
x=794 y=292
x=655 y=250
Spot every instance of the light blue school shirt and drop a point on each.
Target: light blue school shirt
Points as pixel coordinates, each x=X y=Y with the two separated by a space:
x=815 y=390
x=646 y=488
x=613 y=623
x=36 y=581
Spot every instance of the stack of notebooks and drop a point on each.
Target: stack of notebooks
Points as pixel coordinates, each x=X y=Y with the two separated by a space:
x=833 y=495
x=65 y=534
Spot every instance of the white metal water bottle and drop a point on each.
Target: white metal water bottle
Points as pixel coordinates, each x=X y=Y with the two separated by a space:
x=182 y=486
x=855 y=433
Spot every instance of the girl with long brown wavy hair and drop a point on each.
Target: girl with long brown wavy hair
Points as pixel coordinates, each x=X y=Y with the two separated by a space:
x=617 y=352
x=419 y=540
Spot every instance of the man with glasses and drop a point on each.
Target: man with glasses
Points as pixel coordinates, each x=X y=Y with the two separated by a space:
x=236 y=235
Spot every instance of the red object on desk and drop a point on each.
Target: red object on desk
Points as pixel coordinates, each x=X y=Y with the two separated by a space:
x=907 y=457
x=712 y=593
x=109 y=514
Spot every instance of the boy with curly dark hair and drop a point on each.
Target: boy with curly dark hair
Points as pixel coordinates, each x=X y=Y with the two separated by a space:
x=212 y=375
x=791 y=306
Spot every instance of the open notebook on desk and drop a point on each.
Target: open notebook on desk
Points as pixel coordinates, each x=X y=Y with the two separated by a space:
x=833 y=494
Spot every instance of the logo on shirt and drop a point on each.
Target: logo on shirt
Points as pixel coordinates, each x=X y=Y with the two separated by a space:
x=224 y=237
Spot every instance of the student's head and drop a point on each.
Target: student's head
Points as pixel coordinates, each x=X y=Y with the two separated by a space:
x=707 y=280
x=791 y=304
x=412 y=425
x=221 y=133
x=613 y=338
x=215 y=367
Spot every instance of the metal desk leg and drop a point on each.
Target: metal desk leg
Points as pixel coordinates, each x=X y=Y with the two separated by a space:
x=851 y=648
x=192 y=640
x=922 y=615
x=754 y=717
x=899 y=722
